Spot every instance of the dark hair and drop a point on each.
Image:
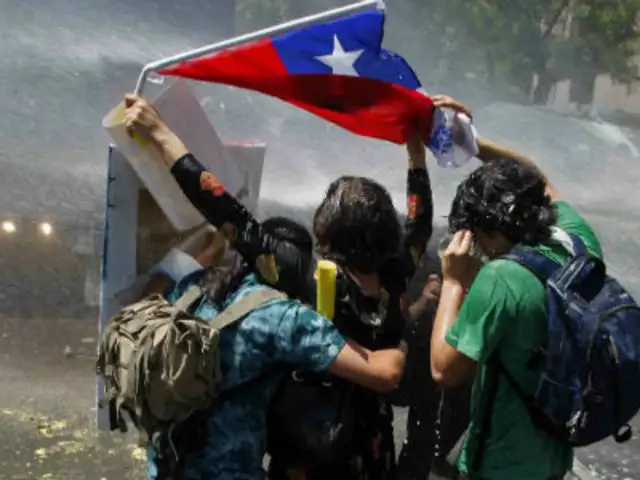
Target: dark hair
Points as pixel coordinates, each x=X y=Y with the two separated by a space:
x=223 y=279
x=290 y=231
x=504 y=196
x=226 y=277
x=293 y=255
x=356 y=224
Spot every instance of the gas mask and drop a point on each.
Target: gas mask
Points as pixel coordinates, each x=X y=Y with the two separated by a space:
x=352 y=303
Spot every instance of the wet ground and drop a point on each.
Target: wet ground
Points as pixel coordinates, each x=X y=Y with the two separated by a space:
x=47 y=412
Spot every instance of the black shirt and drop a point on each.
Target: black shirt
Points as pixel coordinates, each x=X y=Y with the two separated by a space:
x=295 y=268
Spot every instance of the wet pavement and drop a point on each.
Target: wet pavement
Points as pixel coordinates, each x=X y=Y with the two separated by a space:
x=47 y=410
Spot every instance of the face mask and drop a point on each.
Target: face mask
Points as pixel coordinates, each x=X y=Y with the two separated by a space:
x=352 y=303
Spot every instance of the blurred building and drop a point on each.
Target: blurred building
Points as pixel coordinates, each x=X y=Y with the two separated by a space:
x=598 y=91
x=607 y=95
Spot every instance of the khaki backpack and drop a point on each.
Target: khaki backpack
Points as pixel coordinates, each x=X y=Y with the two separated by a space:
x=160 y=364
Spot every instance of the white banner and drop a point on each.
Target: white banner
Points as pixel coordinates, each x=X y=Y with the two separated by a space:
x=138 y=234
x=182 y=112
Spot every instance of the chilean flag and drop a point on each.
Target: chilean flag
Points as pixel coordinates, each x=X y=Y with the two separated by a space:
x=336 y=70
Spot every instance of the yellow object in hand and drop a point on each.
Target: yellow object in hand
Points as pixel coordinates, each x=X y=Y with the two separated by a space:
x=326 y=273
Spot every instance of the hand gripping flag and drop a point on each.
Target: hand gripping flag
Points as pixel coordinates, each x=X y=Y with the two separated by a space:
x=336 y=70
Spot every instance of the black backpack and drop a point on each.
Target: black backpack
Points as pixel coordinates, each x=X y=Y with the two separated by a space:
x=311 y=421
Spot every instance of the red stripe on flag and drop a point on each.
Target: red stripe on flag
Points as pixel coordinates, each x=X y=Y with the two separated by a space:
x=364 y=106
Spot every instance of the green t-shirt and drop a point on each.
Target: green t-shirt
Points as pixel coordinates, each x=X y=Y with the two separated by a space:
x=505 y=311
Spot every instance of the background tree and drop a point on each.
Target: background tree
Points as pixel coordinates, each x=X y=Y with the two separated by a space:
x=255 y=14
x=553 y=39
x=501 y=44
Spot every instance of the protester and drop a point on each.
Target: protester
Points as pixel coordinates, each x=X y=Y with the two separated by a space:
x=437 y=418
x=357 y=226
x=499 y=311
x=417 y=391
x=255 y=354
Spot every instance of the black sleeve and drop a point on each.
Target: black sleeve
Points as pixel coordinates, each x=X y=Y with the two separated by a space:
x=419 y=223
x=226 y=213
x=208 y=195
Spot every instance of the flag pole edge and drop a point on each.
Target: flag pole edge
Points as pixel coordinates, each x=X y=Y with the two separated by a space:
x=252 y=36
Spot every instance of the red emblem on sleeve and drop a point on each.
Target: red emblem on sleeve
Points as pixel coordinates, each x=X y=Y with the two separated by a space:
x=209 y=182
x=413 y=206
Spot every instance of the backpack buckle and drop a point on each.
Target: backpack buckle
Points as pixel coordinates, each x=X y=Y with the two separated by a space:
x=623 y=434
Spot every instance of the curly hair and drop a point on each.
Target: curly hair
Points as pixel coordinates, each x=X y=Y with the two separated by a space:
x=504 y=196
x=357 y=225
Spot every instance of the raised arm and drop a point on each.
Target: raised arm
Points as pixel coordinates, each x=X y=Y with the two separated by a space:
x=419 y=222
x=273 y=258
x=490 y=150
x=201 y=187
x=218 y=206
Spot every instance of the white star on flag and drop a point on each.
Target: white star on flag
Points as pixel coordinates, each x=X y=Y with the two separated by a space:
x=341 y=62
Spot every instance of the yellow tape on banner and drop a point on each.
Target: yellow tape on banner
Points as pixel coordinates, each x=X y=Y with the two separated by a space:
x=326 y=273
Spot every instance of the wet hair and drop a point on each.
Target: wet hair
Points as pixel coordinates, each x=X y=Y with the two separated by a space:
x=226 y=277
x=357 y=225
x=223 y=279
x=504 y=196
x=290 y=231
x=294 y=254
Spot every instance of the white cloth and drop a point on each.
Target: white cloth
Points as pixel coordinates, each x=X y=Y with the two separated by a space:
x=177 y=265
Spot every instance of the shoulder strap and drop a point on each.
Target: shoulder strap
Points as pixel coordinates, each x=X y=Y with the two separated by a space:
x=245 y=305
x=572 y=243
x=189 y=297
x=541 y=266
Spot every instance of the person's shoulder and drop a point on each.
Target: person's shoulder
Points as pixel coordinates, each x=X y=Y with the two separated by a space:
x=566 y=213
x=280 y=306
x=278 y=301
x=179 y=288
x=500 y=270
x=494 y=281
x=300 y=313
x=569 y=220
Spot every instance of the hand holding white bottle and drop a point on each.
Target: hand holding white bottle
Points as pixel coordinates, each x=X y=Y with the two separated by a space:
x=454 y=139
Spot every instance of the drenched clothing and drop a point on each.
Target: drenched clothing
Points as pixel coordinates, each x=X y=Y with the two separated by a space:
x=294 y=270
x=505 y=312
x=437 y=418
x=255 y=353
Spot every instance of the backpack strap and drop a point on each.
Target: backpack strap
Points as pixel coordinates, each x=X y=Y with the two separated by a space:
x=541 y=266
x=244 y=306
x=544 y=268
x=572 y=243
x=189 y=297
